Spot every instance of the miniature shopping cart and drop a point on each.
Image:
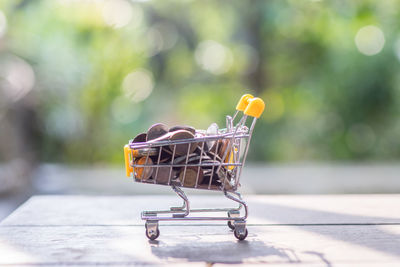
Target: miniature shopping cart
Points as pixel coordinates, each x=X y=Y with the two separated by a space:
x=211 y=159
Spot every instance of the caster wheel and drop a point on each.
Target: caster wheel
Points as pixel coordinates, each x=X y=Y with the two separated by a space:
x=230 y=225
x=152 y=236
x=240 y=236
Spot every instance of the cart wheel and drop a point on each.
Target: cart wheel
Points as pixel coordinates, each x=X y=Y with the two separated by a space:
x=151 y=235
x=241 y=236
x=230 y=225
x=152 y=231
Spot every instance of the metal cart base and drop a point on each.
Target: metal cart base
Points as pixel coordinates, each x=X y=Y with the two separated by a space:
x=236 y=222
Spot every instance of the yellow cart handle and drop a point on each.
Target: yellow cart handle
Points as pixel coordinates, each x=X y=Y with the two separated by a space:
x=128 y=167
x=243 y=102
x=250 y=105
x=255 y=107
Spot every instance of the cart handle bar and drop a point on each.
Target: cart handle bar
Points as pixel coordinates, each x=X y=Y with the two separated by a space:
x=250 y=105
x=127 y=154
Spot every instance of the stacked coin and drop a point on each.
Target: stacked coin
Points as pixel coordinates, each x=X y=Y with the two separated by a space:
x=186 y=163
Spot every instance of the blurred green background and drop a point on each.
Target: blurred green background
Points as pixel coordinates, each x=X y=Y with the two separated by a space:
x=78 y=79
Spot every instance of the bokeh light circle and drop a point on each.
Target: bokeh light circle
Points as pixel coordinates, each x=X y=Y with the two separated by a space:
x=213 y=57
x=117 y=13
x=370 y=40
x=138 y=85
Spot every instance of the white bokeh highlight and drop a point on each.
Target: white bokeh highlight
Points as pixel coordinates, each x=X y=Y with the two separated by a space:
x=138 y=85
x=370 y=40
x=213 y=57
x=117 y=13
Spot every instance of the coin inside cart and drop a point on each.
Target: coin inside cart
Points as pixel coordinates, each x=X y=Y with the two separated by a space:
x=189 y=177
x=208 y=164
x=156 y=130
x=166 y=155
x=140 y=138
x=183 y=127
x=182 y=149
x=214 y=156
x=144 y=170
x=162 y=174
x=182 y=159
x=223 y=151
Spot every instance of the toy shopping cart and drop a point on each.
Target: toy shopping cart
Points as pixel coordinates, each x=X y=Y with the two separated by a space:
x=210 y=159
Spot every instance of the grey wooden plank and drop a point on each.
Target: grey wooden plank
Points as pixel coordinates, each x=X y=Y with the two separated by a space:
x=117 y=210
x=121 y=245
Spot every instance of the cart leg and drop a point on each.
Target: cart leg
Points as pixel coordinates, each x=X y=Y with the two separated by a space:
x=180 y=208
x=152 y=231
x=233 y=214
x=240 y=231
x=180 y=193
x=239 y=200
x=239 y=196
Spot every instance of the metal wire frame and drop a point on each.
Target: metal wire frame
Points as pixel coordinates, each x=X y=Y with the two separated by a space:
x=239 y=132
x=181 y=213
x=235 y=134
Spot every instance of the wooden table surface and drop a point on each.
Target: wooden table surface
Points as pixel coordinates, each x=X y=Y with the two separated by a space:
x=311 y=230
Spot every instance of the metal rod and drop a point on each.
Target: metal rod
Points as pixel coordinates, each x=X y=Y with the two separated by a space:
x=186 y=141
x=152 y=215
x=240 y=201
x=172 y=163
x=186 y=162
x=173 y=209
x=246 y=149
x=158 y=165
x=185 y=199
x=189 y=164
x=199 y=168
x=212 y=168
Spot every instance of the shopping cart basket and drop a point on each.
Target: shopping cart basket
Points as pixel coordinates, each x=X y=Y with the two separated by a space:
x=211 y=159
